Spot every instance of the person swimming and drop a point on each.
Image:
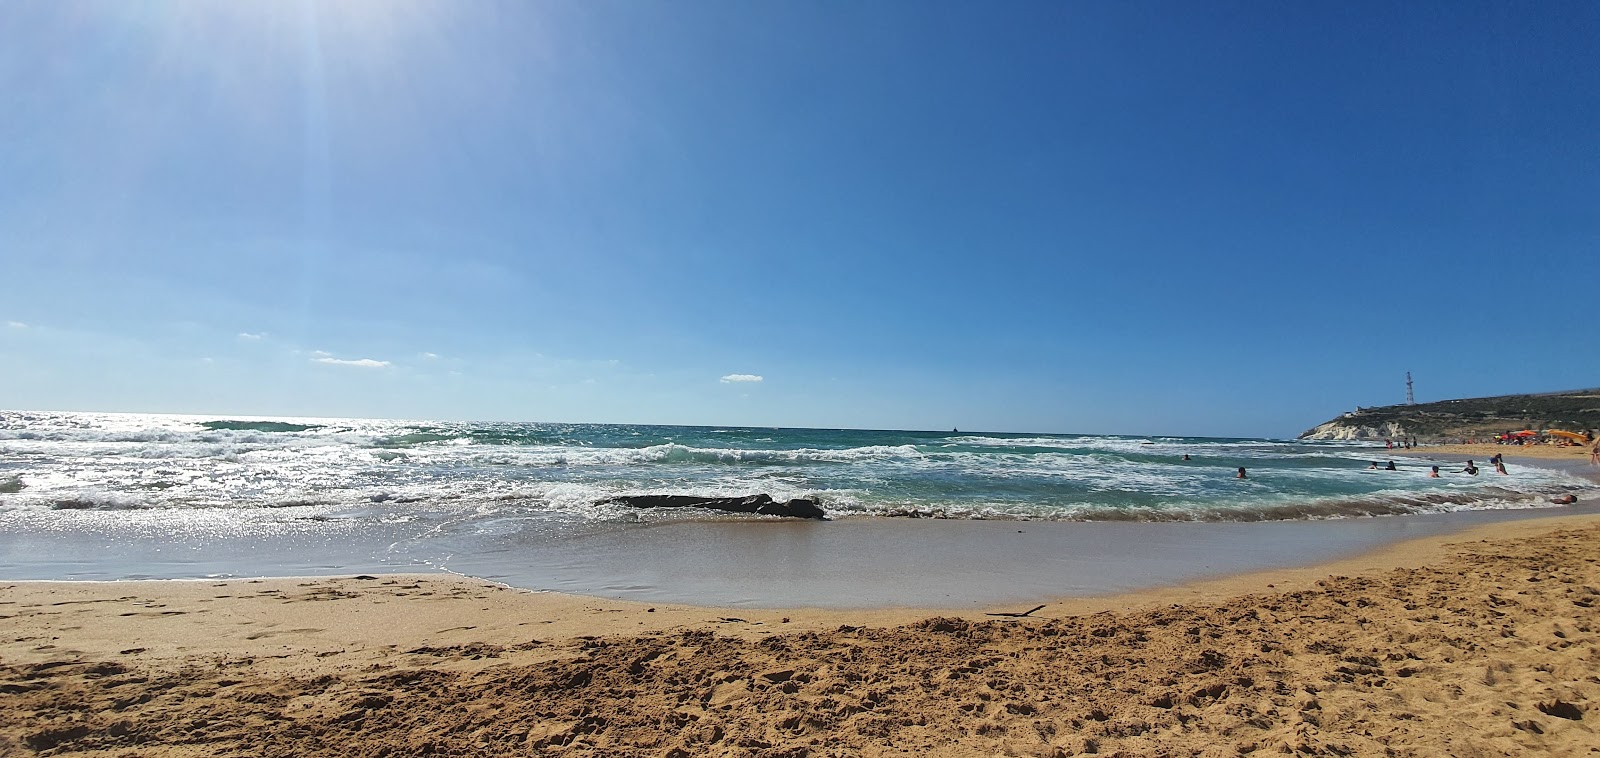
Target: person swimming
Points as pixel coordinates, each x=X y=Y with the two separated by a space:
x=1434 y=474
x=1241 y=474
x=1390 y=467
x=1470 y=469
x=1186 y=456
x=1372 y=466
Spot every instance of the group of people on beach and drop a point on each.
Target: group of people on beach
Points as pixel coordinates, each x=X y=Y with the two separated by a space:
x=1405 y=443
x=1471 y=468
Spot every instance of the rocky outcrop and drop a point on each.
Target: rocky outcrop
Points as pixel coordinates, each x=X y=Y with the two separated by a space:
x=1480 y=417
x=762 y=504
x=1341 y=429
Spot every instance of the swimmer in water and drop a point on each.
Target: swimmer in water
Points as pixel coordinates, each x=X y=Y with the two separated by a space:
x=1389 y=467
x=1499 y=467
x=1470 y=469
x=1434 y=474
x=1241 y=474
x=1186 y=456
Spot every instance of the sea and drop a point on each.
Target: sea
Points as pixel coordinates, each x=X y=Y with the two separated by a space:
x=118 y=495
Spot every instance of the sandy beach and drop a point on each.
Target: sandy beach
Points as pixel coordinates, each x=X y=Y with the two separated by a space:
x=1511 y=452
x=1475 y=643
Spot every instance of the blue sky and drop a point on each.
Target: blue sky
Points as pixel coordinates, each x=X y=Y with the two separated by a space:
x=1187 y=218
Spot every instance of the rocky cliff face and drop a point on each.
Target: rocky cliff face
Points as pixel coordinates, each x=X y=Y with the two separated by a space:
x=1345 y=429
x=1577 y=410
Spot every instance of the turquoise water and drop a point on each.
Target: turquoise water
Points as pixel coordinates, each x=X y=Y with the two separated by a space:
x=56 y=464
x=127 y=496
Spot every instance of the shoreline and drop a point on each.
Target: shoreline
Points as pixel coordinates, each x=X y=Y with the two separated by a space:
x=1455 y=633
x=887 y=564
x=391 y=587
x=408 y=662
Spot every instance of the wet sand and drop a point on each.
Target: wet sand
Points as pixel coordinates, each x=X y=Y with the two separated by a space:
x=1473 y=643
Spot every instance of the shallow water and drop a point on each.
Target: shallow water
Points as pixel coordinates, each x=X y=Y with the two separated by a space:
x=107 y=496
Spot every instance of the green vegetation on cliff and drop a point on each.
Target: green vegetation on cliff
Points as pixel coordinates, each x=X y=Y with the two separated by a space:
x=1577 y=410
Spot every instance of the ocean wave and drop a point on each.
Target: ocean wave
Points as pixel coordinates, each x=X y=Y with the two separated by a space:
x=1389 y=504
x=414 y=438
x=106 y=462
x=675 y=453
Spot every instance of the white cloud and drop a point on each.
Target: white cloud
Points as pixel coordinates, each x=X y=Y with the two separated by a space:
x=731 y=378
x=16 y=325
x=321 y=354
x=252 y=337
x=358 y=363
x=430 y=356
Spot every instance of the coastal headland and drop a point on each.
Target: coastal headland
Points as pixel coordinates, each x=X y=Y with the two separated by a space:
x=1476 y=418
x=1477 y=642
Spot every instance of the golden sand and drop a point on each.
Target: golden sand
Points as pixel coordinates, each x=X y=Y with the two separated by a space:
x=1479 y=643
x=1511 y=452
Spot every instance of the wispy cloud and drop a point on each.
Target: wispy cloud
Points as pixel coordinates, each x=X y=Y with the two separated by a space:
x=357 y=362
x=16 y=325
x=252 y=336
x=429 y=356
x=733 y=378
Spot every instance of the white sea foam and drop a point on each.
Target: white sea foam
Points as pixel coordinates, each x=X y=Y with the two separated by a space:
x=106 y=462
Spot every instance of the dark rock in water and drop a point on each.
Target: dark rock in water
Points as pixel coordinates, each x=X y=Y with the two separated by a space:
x=762 y=504
x=914 y=513
x=797 y=508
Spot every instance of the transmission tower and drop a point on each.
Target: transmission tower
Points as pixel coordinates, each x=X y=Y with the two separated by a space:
x=1410 y=398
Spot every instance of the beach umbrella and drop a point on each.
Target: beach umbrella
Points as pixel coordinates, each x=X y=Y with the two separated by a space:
x=1525 y=433
x=1574 y=436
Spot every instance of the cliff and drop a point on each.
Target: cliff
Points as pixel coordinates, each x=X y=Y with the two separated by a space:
x=1577 y=410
